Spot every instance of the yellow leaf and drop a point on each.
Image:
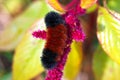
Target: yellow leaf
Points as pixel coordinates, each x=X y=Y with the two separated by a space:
x=104 y=67
x=55 y=5
x=74 y=60
x=108 y=33
x=87 y=3
x=26 y=62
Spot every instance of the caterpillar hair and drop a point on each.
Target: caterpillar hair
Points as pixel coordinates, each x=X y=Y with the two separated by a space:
x=55 y=41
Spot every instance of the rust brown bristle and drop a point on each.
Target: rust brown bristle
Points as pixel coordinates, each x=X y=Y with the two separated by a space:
x=56 y=39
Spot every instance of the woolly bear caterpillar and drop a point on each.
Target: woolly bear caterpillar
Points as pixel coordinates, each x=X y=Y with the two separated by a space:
x=55 y=41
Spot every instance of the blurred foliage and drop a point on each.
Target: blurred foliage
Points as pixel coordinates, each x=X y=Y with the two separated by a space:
x=16 y=6
x=86 y=4
x=59 y=4
x=55 y=4
x=74 y=61
x=21 y=50
x=114 y=5
x=7 y=76
x=104 y=67
x=28 y=55
x=108 y=32
x=11 y=35
x=91 y=8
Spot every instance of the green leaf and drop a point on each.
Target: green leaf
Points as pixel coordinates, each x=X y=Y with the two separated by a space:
x=104 y=67
x=108 y=33
x=114 y=5
x=73 y=64
x=91 y=8
x=13 y=33
x=26 y=62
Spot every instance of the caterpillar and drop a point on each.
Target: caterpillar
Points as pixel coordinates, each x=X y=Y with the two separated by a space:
x=55 y=41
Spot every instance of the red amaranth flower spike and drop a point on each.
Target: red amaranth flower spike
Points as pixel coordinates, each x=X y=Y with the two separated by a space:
x=71 y=18
x=39 y=34
x=78 y=35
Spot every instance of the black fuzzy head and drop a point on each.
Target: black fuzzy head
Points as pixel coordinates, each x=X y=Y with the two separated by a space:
x=49 y=59
x=53 y=18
